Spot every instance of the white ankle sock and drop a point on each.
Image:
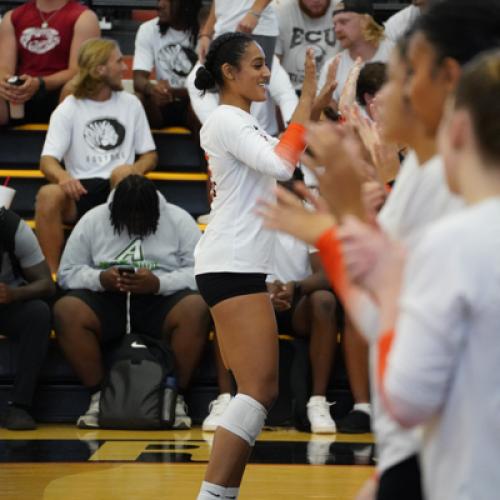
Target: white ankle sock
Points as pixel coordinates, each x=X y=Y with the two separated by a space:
x=210 y=491
x=364 y=407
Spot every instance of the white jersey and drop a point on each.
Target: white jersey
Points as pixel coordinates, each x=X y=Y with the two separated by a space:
x=94 y=137
x=172 y=55
x=398 y=24
x=420 y=197
x=346 y=63
x=228 y=13
x=299 y=32
x=280 y=93
x=244 y=169
x=443 y=367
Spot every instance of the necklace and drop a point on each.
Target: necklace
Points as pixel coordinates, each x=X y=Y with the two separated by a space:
x=45 y=20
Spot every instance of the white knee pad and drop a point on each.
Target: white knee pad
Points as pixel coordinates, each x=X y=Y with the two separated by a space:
x=244 y=417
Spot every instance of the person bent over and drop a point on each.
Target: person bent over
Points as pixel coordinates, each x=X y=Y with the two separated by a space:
x=139 y=228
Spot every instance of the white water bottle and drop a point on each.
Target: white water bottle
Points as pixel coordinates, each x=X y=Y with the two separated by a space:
x=16 y=110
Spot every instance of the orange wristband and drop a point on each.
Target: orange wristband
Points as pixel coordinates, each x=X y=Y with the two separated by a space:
x=333 y=261
x=292 y=143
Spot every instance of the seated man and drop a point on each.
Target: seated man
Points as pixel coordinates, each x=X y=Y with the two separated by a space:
x=24 y=281
x=39 y=42
x=140 y=228
x=167 y=44
x=98 y=132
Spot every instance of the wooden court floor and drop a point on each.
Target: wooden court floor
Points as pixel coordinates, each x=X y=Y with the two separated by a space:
x=60 y=462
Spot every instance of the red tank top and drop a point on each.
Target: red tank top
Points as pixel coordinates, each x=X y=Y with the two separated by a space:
x=44 y=47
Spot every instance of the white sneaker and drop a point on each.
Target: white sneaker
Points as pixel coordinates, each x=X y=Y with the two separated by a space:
x=215 y=410
x=182 y=419
x=91 y=418
x=318 y=413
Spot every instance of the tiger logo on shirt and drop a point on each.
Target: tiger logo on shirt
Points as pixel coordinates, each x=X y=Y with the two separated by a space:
x=104 y=134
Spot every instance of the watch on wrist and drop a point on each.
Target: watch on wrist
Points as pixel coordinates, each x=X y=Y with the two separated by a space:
x=41 y=85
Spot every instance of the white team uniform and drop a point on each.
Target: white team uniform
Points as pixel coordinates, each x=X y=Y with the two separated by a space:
x=346 y=63
x=94 y=137
x=172 y=55
x=420 y=196
x=443 y=366
x=244 y=169
x=298 y=32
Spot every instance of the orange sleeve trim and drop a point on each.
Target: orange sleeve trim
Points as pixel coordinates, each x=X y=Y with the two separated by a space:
x=384 y=348
x=292 y=143
x=333 y=261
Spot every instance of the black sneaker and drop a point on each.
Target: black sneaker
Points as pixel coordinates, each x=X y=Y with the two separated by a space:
x=355 y=422
x=18 y=419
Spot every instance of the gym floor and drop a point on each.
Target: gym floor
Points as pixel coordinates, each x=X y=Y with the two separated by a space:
x=61 y=462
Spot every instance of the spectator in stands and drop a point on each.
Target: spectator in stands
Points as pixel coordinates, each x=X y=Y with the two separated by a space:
x=39 y=42
x=360 y=36
x=24 y=281
x=304 y=24
x=167 y=44
x=98 y=132
x=398 y=24
x=371 y=79
x=137 y=226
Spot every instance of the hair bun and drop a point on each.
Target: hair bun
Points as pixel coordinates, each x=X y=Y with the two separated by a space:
x=204 y=79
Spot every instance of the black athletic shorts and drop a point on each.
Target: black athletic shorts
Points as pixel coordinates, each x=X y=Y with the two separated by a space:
x=147 y=312
x=401 y=481
x=216 y=287
x=97 y=193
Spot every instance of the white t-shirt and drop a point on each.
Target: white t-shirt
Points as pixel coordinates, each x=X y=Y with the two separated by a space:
x=298 y=32
x=420 y=197
x=292 y=259
x=346 y=63
x=172 y=55
x=444 y=365
x=244 y=170
x=94 y=137
x=397 y=25
x=228 y=13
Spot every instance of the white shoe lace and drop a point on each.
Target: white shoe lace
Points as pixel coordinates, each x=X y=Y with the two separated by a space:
x=217 y=407
x=321 y=408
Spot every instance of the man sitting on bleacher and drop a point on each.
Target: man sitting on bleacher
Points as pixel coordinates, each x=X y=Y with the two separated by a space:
x=139 y=228
x=167 y=44
x=101 y=133
x=39 y=42
x=24 y=281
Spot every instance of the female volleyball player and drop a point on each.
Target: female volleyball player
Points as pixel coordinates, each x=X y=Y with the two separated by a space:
x=236 y=251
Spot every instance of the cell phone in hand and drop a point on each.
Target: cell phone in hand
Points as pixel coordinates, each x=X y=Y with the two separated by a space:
x=125 y=269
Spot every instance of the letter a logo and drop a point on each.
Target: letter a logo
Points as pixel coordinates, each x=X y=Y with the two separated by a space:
x=133 y=252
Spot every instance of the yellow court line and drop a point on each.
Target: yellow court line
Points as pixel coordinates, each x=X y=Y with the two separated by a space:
x=154 y=176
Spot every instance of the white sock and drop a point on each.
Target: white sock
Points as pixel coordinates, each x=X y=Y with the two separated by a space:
x=210 y=491
x=364 y=407
x=232 y=493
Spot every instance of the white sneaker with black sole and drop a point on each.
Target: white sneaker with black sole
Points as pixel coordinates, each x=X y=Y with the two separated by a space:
x=90 y=420
x=216 y=408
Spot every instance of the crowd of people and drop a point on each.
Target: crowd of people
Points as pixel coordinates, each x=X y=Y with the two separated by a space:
x=354 y=175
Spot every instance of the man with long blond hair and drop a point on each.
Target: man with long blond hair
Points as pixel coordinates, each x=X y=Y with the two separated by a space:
x=102 y=135
x=361 y=38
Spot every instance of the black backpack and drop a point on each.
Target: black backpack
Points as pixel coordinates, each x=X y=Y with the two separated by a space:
x=134 y=391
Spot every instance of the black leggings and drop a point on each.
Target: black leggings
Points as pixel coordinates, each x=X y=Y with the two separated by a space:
x=28 y=324
x=401 y=481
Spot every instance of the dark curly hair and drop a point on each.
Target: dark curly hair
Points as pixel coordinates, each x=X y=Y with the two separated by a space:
x=227 y=48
